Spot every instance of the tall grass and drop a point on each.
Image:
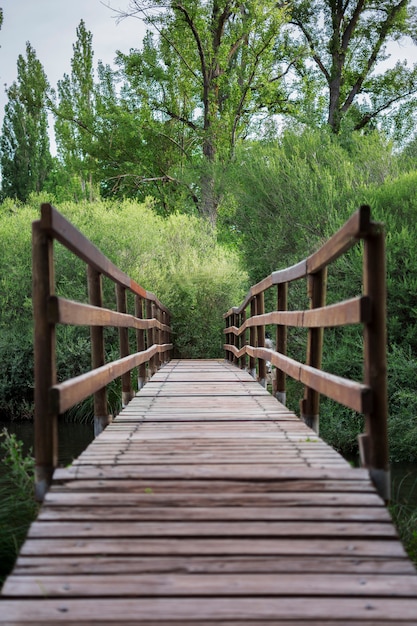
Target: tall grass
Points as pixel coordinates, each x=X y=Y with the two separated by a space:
x=403 y=511
x=17 y=504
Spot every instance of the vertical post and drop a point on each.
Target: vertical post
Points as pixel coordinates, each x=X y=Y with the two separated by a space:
x=281 y=344
x=164 y=341
x=124 y=345
x=95 y=292
x=169 y=336
x=150 y=336
x=140 y=342
x=235 y=338
x=158 y=336
x=252 y=339
x=45 y=421
x=242 y=343
x=317 y=283
x=228 y=338
x=374 y=448
x=260 y=331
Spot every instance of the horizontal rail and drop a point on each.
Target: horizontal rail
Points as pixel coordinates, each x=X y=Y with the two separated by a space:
x=356 y=228
x=59 y=228
x=67 y=394
x=368 y=310
x=354 y=311
x=62 y=311
x=354 y=395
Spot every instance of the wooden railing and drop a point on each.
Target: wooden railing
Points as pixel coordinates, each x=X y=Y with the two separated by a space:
x=151 y=321
x=368 y=309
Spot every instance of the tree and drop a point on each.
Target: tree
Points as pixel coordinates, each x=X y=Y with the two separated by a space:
x=24 y=143
x=75 y=114
x=346 y=39
x=203 y=80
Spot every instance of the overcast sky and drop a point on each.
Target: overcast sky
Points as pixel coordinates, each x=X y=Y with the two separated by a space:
x=50 y=27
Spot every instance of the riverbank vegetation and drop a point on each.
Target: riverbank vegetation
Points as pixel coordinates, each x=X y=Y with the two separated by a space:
x=17 y=504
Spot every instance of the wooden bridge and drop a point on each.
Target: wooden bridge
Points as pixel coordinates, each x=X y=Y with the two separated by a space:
x=206 y=501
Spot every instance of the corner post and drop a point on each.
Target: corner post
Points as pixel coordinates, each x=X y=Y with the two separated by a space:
x=95 y=295
x=45 y=420
x=374 y=448
x=317 y=284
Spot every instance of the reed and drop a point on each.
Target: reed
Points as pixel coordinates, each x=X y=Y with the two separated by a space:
x=17 y=505
x=404 y=515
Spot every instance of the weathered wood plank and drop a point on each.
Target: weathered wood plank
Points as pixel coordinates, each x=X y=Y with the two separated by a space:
x=150 y=585
x=206 y=546
x=88 y=509
x=198 y=529
x=96 y=564
x=217 y=609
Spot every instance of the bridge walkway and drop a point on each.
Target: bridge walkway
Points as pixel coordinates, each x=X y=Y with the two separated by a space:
x=208 y=502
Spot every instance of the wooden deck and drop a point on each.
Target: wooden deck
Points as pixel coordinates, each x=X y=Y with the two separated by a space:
x=208 y=502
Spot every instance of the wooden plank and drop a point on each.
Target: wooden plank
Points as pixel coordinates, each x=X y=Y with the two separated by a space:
x=84 y=508
x=204 y=546
x=263 y=476
x=218 y=585
x=217 y=609
x=199 y=529
x=219 y=564
x=146 y=496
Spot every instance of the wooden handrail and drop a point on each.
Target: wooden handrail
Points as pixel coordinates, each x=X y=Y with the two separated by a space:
x=151 y=321
x=369 y=309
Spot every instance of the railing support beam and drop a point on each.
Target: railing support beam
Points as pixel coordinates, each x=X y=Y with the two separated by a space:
x=310 y=404
x=95 y=293
x=281 y=344
x=140 y=342
x=260 y=334
x=121 y=298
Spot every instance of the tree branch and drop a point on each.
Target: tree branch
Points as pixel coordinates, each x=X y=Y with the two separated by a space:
x=310 y=42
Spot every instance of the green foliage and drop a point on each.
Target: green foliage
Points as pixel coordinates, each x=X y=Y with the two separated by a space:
x=404 y=515
x=288 y=195
x=345 y=42
x=17 y=504
x=177 y=258
x=24 y=142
